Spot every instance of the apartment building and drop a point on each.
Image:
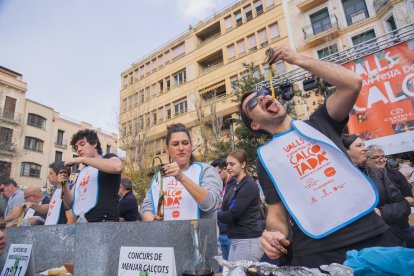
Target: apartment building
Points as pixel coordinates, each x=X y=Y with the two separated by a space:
x=182 y=78
x=33 y=135
x=328 y=28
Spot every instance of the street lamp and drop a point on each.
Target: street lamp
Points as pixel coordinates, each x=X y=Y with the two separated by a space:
x=229 y=122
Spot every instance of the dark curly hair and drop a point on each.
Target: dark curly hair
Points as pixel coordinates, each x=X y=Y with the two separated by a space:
x=90 y=135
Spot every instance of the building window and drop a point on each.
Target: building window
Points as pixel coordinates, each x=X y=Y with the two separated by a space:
x=178 y=51
x=9 y=108
x=259 y=7
x=154 y=90
x=280 y=68
x=154 y=117
x=141 y=96
x=229 y=23
x=36 y=120
x=320 y=21
x=355 y=10
x=234 y=82
x=58 y=156
x=108 y=149
x=390 y=24
x=251 y=39
x=262 y=35
x=160 y=115
x=168 y=112
x=30 y=169
x=248 y=12
x=147 y=120
x=269 y=4
x=331 y=49
x=365 y=36
x=147 y=68
x=32 y=143
x=161 y=86
x=238 y=17
x=141 y=122
x=180 y=107
x=141 y=72
x=179 y=78
x=240 y=47
x=59 y=138
x=6 y=136
x=230 y=52
x=168 y=83
x=274 y=31
x=147 y=93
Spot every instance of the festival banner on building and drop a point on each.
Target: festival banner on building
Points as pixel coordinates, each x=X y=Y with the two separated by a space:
x=384 y=111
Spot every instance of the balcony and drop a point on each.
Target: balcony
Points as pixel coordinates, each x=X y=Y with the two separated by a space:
x=306 y=5
x=211 y=63
x=211 y=67
x=318 y=33
x=209 y=34
x=11 y=117
x=379 y=4
x=7 y=148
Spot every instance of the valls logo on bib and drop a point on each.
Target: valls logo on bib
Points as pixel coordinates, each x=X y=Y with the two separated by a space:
x=172 y=194
x=305 y=157
x=84 y=183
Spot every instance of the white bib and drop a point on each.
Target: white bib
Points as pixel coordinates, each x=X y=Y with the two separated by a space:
x=178 y=202
x=86 y=191
x=53 y=213
x=320 y=187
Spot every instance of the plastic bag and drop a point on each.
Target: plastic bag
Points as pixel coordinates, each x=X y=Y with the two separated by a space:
x=381 y=261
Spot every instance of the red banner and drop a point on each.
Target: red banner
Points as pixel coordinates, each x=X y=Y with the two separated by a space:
x=384 y=111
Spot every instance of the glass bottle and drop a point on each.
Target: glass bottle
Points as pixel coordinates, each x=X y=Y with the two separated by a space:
x=197 y=265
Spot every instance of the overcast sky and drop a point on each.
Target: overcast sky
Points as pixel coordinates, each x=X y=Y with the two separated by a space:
x=71 y=53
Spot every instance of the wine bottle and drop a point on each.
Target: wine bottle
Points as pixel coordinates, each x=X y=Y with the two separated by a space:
x=198 y=264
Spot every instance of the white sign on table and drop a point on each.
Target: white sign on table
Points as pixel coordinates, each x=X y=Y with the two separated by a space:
x=146 y=261
x=18 y=261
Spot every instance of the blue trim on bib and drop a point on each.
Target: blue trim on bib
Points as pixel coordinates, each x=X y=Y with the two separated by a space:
x=152 y=196
x=97 y=192
x=287 y=206
x=199 y=184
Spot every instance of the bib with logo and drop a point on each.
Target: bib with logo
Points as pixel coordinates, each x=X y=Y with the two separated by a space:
x=53 y=213
x=86 y=191
x=320 y=187
x=178 y=202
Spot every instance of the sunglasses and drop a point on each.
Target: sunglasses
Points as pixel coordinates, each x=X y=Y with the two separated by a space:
x=253 y=101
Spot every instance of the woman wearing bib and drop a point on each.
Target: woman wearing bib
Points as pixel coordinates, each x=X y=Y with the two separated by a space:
x=191 y=189
x=392 y=206
x=240 y=211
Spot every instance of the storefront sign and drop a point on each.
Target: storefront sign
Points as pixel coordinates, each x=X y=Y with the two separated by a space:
x=143 y=261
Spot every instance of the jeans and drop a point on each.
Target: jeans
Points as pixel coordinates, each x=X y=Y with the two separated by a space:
x=245 y=249
x=225 y=243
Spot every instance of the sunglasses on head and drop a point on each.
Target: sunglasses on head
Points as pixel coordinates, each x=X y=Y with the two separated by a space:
x=253 y=101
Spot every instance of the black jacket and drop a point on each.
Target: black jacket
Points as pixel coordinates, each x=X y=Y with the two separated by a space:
x=230 y=185
x=128 y=208
x=399 y=180
x=240 y=210
x=394 y=208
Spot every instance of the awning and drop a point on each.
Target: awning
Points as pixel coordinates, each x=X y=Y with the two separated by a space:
x=212 y=87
